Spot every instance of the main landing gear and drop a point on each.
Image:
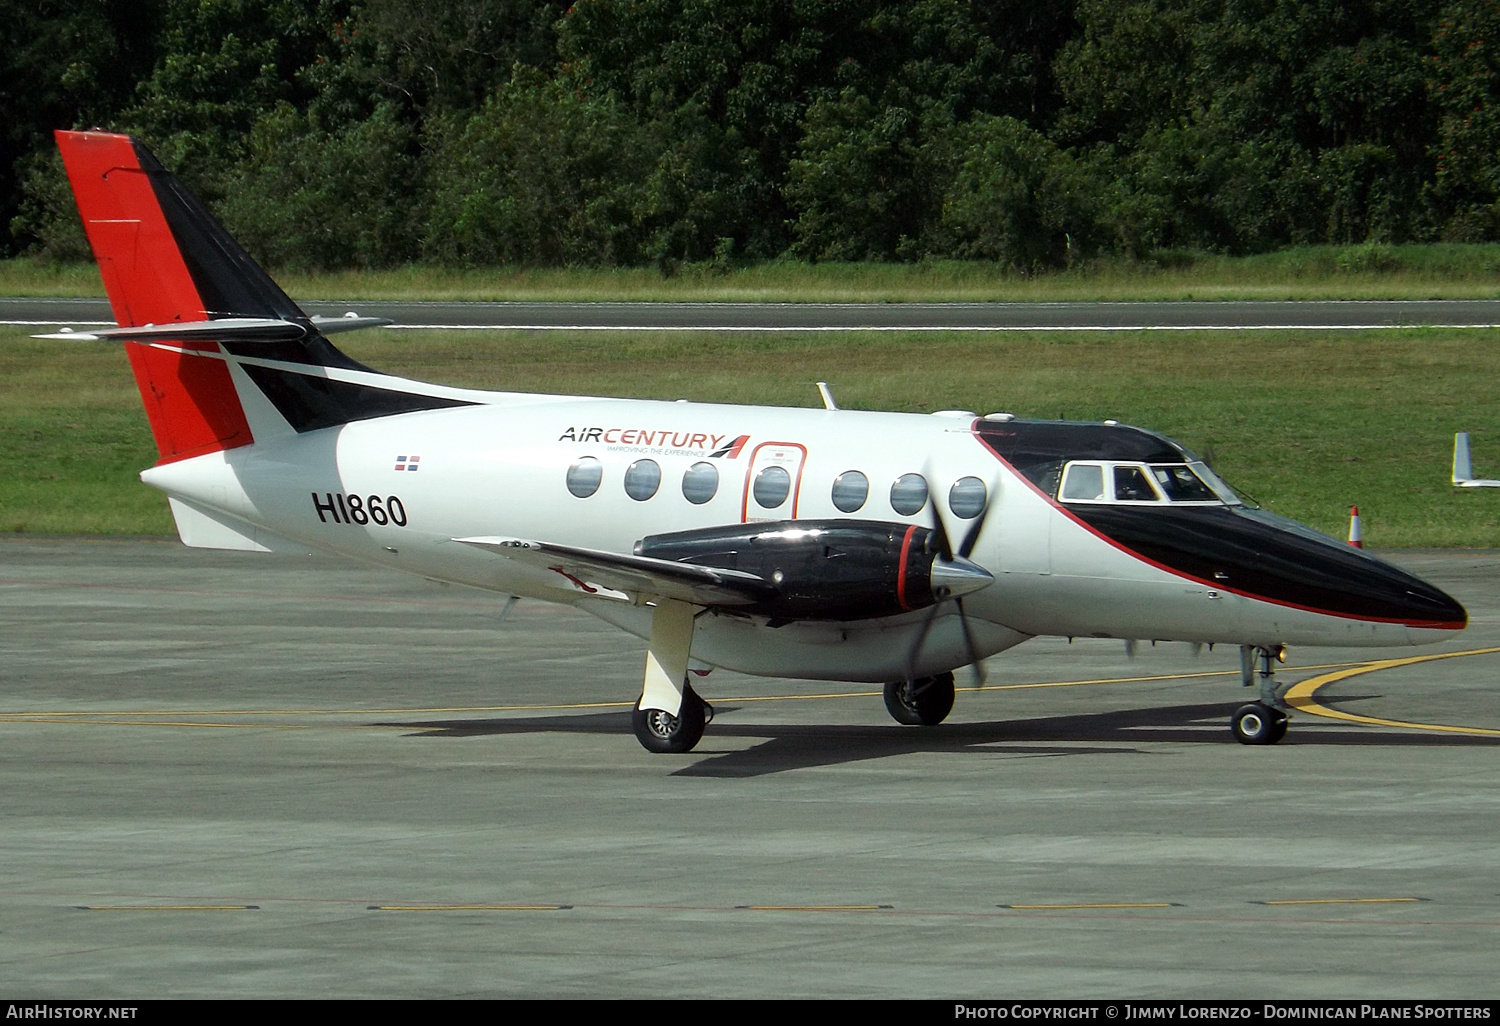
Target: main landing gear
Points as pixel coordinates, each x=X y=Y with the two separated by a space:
x=661 y=732
x=1263 y=722
x=924 y=702
x=670 y=717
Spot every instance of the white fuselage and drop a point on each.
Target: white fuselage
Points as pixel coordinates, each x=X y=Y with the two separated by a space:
x=500 y=469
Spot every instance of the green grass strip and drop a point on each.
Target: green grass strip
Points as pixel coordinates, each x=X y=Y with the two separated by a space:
x=1307 y=422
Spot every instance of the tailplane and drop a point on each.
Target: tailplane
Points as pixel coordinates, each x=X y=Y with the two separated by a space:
x=220 y=353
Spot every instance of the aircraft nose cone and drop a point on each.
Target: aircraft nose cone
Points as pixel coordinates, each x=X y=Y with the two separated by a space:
x=1264 y=556
x=958 y=577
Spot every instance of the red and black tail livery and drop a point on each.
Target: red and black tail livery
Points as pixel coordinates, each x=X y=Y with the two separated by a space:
x=190 y=302
x=165 y=260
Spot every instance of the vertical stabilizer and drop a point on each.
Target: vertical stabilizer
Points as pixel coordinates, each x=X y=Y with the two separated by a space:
x=1463 y=470
x=220 y=353
x=163 y=261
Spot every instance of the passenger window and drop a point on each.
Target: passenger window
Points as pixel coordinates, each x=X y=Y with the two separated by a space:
x=967 y=497
x=772 y=486
x=642 y=478
x=909 y=494
x=700 y=483
x=1131 y=486
x=850 y=489
x=584 y=477
x=1085 y=482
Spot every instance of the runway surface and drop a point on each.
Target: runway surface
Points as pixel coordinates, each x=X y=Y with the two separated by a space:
x=237 y=775
x=1343 y=314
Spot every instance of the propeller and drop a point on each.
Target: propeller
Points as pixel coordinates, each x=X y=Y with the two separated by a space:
x=945 y=554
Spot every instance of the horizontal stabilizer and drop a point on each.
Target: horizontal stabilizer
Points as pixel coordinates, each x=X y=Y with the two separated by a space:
x=641 y=576
x=225 y=329
x=348 y=322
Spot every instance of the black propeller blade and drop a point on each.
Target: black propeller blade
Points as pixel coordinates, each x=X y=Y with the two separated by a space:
x=945 y=552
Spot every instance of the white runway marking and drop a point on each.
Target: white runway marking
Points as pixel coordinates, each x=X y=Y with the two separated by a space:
x=789 y=328
x=921 y=327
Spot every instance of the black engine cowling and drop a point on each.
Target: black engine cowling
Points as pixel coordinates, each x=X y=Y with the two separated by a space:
x=820 y=569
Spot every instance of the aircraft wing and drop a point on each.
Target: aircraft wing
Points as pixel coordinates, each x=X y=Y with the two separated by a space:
x=636 y=576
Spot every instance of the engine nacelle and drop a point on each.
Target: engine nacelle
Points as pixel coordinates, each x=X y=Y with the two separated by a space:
x=827 y=569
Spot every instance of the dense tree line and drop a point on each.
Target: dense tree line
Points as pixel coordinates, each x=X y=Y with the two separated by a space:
x=332 y=133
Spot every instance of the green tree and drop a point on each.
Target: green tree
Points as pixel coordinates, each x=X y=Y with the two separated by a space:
x=1243 y=124
x=1019 y=199
x=62 y=65
x=765 y=73
x=307 y=197
x=221 y=65
x=541 y=174
x=1465 y=90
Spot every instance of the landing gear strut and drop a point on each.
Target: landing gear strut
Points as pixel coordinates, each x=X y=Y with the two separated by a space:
x=1263 y=722
x=670 y=717
x=924 y=702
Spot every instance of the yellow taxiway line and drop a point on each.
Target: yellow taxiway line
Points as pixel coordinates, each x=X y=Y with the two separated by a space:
x=469 y=908
x=168 y=908
x=106 y=716
x=1303 y=696
x=1339 y=901
x=1121 y=904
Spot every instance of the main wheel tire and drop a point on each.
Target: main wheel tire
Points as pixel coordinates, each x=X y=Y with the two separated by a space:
x=661 y=732
x=1258 y=724
x=925 y=702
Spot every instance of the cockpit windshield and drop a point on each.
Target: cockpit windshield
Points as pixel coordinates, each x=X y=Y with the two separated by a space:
x=1101 y=481
x=1182 y=485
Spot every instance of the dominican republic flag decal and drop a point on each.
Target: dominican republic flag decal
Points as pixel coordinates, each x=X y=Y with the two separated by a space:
x=408 y=463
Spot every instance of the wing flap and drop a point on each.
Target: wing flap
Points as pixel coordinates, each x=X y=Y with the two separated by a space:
x=637 y=576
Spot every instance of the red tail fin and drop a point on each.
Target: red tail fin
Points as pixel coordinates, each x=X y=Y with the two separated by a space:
x=190 y=400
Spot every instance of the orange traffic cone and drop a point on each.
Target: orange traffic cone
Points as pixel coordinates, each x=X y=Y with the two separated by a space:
x=1356 y=537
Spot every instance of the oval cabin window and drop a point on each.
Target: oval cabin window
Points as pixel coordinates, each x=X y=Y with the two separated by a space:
x=909 y=494
x=700 y=483
x=850 y=489
x=584 y=477
x=642 y=478
x=772 y=486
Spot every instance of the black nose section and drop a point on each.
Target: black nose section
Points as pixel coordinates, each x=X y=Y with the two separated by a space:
x=1266 y=556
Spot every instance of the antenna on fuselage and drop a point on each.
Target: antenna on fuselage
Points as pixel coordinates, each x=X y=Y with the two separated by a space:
x=827 y=394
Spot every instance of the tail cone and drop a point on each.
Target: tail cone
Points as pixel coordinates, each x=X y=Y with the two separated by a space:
x=1356 y=537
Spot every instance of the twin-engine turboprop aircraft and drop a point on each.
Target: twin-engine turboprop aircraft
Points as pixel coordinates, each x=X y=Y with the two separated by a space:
x=789 y=542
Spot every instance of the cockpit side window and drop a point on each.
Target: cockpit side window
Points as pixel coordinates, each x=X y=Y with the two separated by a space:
x=1108 y=481
x=1131 y=486
x=1182 y=485
x=1084 y=482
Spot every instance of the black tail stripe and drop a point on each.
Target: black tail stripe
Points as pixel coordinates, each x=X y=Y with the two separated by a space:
x=229 y=281
x=310 y=402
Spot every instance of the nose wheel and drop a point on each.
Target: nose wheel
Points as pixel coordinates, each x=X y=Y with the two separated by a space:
x=1257 y=724
x=1263 y=722
x=924 y=702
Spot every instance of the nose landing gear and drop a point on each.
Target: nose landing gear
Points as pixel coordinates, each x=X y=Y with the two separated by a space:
x=1263 y=722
